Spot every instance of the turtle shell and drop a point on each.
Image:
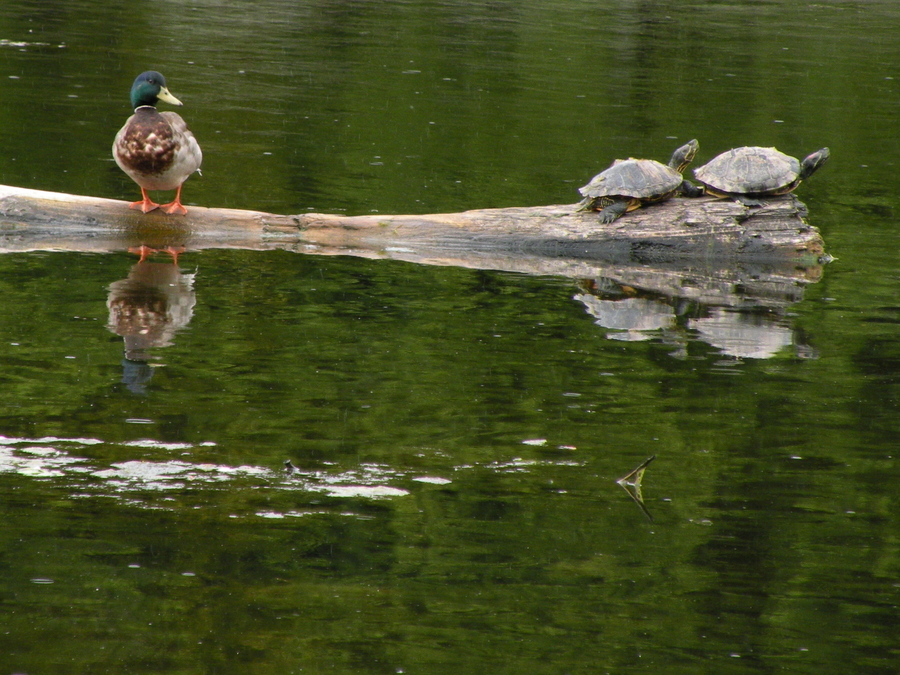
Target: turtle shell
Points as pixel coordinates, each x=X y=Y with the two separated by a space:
x=751 y=171
x=643 y=179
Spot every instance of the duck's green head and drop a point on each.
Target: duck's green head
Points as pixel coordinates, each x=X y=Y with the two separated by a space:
x=150 y=87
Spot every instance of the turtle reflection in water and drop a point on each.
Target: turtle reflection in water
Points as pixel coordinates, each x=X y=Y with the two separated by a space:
x=630 y=183
x=746 y=174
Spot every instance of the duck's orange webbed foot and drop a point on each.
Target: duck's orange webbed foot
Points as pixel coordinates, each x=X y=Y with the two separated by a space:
x=175 y=206
x=146 y=204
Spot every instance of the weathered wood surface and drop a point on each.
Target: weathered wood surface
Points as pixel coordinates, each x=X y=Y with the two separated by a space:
x=703 y=248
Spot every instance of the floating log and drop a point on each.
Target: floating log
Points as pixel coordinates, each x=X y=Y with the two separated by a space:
x=713 y=250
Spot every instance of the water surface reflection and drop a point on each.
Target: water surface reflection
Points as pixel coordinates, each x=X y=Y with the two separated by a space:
x=754 y=330
x=457 y=432
x=147 y=309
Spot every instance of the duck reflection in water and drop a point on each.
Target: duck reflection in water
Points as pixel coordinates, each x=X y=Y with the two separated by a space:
x=147 y=309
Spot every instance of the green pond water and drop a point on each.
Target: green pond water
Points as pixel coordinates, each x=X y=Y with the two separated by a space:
x=455 y=434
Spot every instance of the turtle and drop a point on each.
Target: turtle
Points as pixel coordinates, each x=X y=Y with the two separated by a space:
x=630 y=183
x=745 y=174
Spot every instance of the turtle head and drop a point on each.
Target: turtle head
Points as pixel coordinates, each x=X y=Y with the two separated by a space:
x=684 y=155
x=150 y=87
x=809 y=165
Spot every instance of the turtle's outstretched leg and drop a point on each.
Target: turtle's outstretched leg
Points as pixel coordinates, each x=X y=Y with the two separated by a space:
x=613 y=211
x=688 y=189
x=748 y=201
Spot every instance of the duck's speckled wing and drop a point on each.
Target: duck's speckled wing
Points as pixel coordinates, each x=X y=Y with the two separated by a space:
x=156 y=149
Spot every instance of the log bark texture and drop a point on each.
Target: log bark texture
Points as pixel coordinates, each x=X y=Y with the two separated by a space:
x=684 y=247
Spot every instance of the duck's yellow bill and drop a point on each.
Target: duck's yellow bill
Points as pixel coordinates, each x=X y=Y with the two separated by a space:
x=164 y=95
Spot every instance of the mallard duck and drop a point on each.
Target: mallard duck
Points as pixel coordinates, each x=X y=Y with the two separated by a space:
x=156 y=149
